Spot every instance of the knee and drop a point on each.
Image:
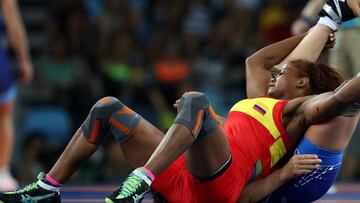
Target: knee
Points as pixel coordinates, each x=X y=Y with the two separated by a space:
x=105 y=107
x=196 y=114
x=97 y=124
x=106 y=102
x=194 y=100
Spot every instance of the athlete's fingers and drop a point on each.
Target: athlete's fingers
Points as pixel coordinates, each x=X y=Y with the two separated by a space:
x=309 y=161
x=331 y=41
x=304 y=171
x=177 y=103
x=308 y=166
x=305 y=156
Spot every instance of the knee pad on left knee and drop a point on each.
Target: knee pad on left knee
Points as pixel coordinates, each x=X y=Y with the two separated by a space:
x=195 y=112
x=109 y=116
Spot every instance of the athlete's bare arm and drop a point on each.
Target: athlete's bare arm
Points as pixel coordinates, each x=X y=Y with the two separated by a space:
x=298 y=165
x=259 y=64
x=17 y=36
x=302 y=112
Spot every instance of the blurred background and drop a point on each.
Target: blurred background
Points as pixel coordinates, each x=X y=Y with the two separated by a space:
x=144 y=52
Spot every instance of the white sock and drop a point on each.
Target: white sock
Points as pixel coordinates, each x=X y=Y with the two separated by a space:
x=48 y=187
x=328 y=22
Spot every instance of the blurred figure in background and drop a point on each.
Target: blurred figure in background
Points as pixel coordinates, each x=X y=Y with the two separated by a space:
x=9 y=15
x=307 y=17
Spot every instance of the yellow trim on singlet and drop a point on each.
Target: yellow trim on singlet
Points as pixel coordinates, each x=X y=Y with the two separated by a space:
x=277 y=151
x=247 y=106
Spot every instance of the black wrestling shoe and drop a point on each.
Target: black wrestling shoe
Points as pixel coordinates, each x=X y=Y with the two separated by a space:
x=132 y=190
x=337 y=10
x=32 y=193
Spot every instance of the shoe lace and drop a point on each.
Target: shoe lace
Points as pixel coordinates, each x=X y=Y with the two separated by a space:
x=28 y=188
x=129 y=187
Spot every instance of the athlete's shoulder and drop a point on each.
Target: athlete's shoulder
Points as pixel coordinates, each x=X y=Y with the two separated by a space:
x=259 y=103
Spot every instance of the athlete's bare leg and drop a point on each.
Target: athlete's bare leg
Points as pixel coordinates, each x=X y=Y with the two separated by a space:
x=6 y=146
x=205 y=154
x=6 y=133
x=145 y=137
x=138 y=137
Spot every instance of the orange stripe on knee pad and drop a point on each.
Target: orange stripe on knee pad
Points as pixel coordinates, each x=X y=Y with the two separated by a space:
x=106 y=100
x=192 y=92
x=125 y=110
x=94 y=132
x=198 y=122
x=120 y=127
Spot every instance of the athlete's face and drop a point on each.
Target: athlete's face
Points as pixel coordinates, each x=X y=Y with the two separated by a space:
x=284 y=83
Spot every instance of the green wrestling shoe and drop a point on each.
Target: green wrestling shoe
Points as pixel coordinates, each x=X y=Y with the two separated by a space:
x=32 y=193
x=132 y=190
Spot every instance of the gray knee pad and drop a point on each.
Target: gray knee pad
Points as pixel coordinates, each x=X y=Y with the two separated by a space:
x=196 y=113
x=109 y=116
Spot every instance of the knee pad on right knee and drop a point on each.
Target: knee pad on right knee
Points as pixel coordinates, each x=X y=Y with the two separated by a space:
x=196 y=113
x=109 y=116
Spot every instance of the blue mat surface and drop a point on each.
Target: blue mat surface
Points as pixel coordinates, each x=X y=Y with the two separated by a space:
x=345 y=193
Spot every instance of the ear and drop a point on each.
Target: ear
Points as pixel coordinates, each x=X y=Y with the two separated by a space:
x=302 y=82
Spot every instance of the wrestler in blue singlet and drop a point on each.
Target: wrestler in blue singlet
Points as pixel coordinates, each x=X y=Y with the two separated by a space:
x=311 y=185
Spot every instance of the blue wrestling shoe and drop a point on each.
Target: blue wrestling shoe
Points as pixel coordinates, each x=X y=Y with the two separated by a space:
x=32 y=193
x=132 y=190
x=337 y=10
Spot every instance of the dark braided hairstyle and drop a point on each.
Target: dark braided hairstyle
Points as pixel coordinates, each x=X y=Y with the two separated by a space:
x=322 y=77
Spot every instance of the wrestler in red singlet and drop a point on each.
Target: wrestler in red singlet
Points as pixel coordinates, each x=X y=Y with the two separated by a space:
x=257 y=141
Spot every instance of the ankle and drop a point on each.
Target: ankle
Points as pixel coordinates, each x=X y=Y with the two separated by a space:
x=52 y=181
x=149 y=173
x=142 y=173
x=47 y=186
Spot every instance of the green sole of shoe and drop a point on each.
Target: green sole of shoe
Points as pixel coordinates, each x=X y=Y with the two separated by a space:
x=107 y=200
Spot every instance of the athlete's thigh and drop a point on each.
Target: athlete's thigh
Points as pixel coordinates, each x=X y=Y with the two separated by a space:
x=142 y=143
x=208 y=154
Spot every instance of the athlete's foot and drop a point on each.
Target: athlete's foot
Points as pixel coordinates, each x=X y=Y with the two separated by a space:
x=133 y=189
x=337 y=10
x=33 y=193
x=7 y=183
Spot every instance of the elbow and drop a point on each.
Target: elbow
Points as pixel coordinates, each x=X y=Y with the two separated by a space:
x=250 y=61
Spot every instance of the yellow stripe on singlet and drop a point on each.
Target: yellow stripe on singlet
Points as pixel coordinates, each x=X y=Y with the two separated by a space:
x=261 y=109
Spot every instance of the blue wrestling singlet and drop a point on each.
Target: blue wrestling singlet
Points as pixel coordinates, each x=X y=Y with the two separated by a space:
x=313 y=185
x=7 y=85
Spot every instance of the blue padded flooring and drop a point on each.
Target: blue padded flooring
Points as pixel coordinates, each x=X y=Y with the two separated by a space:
x=345 y=193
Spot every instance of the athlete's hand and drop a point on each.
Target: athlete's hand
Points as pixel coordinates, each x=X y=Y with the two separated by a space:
x=355 y=6
x=331 y=41
x=176 y=105
x=26 y=72
x=299 y=165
